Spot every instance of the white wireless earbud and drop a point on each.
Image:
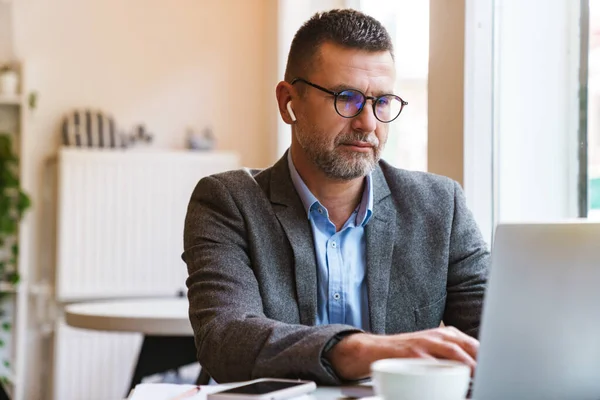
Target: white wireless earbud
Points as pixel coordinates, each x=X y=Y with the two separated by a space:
x=289 y=108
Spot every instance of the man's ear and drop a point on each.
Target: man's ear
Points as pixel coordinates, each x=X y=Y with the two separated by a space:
x=284 y=93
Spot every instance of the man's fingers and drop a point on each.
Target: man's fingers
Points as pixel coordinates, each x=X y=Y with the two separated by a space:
x=448 y=350
x=442 y=343
x=468 y=343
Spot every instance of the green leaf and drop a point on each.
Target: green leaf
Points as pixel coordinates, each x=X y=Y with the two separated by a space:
x=8 y=225
x=6 y=364
x=5 y=146
x=2 y=343
x=24 y=203
x=14 y=202
x=6 y=326
x=11 y=181
x=14 y=278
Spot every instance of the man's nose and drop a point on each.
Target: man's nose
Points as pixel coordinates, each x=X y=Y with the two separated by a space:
x=365 y=121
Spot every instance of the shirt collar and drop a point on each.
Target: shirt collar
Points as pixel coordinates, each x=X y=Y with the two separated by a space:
x=365 y=208
x=308 y=199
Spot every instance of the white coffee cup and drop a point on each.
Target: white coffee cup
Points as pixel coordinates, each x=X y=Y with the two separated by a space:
x=420 y=379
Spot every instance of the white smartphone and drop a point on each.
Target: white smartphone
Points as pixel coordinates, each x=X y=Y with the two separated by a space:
x=266 y=389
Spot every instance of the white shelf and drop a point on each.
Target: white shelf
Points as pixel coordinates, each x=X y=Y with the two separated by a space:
x=15 y=100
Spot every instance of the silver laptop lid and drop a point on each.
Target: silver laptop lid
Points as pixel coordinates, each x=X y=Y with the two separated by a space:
x=540 y=332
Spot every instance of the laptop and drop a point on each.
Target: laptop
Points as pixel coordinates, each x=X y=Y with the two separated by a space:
x=540 y=329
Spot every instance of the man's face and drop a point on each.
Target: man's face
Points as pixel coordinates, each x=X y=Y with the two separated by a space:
x=343 y=148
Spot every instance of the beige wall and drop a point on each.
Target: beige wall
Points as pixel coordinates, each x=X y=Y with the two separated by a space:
x=194 y=63
x=6 y=40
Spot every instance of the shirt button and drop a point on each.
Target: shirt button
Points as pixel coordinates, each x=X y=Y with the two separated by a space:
x=333 y=244
x=336 y=296
x=320 y=210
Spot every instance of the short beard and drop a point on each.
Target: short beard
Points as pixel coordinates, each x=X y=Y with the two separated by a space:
x=338 y=164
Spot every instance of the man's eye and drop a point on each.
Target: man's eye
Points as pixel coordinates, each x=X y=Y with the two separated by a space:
x=383 y=101
x=344 y=97
x=350 y=96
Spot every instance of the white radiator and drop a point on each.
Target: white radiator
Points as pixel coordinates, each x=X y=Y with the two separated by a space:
x=119 y=234
x=93 y=365
x=120 y=220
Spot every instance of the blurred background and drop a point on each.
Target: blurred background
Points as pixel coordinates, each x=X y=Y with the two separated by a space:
x=111 y=111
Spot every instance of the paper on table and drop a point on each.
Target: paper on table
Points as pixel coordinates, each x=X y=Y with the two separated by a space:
x=168 y=391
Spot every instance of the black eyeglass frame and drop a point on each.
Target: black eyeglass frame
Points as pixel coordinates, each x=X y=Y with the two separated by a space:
x=373 y=99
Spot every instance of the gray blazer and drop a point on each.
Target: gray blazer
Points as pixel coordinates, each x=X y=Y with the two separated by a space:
x=253 y=274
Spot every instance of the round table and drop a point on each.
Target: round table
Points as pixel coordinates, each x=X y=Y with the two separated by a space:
x=168 y=317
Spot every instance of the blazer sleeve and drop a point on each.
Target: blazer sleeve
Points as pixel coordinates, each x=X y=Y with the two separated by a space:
x=469 y=260
x=235 y=341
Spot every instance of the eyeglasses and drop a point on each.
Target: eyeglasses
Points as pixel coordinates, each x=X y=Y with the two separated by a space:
x=350 y=102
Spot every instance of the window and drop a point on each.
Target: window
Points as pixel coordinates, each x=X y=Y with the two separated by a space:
x=592 y=59
x=408 y=23
x=525 y=111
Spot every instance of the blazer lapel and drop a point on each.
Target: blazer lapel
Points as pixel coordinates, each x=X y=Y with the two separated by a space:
x=292 y=216
x=380 y=237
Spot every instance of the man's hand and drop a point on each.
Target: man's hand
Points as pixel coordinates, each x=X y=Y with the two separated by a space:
x=352 y=356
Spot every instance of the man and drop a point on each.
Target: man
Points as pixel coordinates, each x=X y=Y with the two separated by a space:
x=331 y=259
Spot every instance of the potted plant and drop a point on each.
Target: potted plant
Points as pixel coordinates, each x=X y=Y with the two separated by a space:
x=9 y=80
x=14 y=202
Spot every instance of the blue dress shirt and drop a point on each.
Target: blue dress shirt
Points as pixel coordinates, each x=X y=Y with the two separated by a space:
x=341 y=257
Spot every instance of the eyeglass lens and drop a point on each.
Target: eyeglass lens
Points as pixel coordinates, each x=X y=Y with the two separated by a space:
x=350 y=102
